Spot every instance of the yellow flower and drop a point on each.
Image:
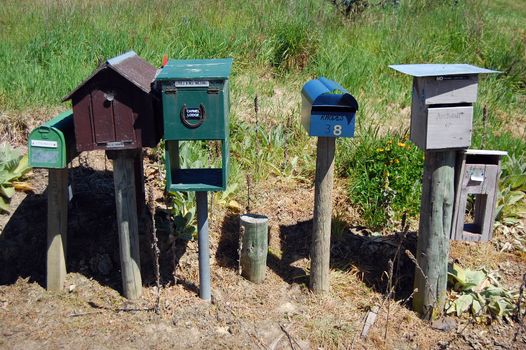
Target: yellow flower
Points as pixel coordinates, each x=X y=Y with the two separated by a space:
x=396 y=161
x=401 y=144
x=379 y=150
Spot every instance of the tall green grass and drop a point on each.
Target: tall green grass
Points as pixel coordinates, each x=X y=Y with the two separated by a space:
x=47 y=48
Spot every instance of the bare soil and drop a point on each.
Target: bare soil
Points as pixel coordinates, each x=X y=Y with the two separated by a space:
x=279 y=313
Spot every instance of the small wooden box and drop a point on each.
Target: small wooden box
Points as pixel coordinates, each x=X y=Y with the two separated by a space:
x=477 y=174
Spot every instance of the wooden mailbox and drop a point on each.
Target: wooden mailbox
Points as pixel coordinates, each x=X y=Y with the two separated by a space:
x=477 y=175
x=442 y=104
x=114 y=109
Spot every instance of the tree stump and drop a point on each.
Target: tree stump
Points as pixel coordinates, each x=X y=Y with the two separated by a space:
x=253 y=248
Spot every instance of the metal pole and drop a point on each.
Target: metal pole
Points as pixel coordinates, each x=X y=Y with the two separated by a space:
x=204 y=255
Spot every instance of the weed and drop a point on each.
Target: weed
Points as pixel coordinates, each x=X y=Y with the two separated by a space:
x=480 y=294
x=13 y=165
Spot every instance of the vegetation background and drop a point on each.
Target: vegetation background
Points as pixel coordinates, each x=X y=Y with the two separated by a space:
x=48 y=47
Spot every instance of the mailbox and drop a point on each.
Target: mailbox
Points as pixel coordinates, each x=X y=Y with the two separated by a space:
x=52 y=145
x=114 y=109
x=328 y=110
x=442 y=103
x=478 y=175
x=195 y=104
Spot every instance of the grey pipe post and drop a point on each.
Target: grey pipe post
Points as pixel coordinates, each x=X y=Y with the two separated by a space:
x=204 y=255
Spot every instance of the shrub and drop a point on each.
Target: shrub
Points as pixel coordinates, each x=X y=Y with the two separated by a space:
x=385 y=179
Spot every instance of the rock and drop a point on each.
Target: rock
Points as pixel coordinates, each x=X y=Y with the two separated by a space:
x=223 y=330
x=287 y=308
x=444 y=324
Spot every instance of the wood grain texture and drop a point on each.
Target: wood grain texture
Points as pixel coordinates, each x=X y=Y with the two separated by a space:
x=125 y=201
x=436 y=216
x=253 y=247
x=321 y=232
x=57 y=226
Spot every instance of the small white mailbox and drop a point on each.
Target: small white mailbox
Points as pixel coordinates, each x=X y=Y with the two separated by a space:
x=442 y=106
x=477 y=175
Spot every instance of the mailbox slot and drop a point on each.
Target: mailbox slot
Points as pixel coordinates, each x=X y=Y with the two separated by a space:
x=52 y=145
x=477 y=177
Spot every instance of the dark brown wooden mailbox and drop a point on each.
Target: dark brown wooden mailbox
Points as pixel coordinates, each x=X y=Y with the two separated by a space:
x=113 y=108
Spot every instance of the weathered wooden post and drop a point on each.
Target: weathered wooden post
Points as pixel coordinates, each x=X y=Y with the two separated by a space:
x=441 y=124
x=328 y=112
x=253 y=246
x=127 y=222
x=57 y=228
x=195 y=108
x=52 y=147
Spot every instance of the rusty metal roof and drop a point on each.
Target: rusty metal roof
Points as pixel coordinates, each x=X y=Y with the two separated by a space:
x=130 y=66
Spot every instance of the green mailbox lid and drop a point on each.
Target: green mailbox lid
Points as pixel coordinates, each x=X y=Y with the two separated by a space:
x=201 y=69
x=48 y=147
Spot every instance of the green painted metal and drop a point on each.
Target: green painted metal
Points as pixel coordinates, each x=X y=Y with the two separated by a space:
x=195 y=99
x=197 y=69
x=52 y=145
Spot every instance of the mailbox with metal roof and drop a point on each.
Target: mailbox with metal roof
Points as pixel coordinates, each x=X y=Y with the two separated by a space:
x=328 y=110
x=442 y=103
x=195 y=104
x=52 y=145
x=114 y=109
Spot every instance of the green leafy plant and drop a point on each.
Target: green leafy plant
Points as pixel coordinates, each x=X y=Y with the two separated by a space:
x=183 y=213
x=511 y=200
x=478 y=293
x=385 y=175
x=13 y=165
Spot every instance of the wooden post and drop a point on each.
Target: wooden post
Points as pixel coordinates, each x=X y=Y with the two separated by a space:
x=125 y=201
x=57 y=226
x=253 y=248
x=436 y=216
x=321 y=233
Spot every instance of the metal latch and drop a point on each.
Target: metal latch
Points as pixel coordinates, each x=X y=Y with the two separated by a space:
x=170 y=90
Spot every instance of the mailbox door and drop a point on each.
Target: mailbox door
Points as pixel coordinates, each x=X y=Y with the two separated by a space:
x=47 y=148
x=113 y=119
x=449 y=127
x=194 y=114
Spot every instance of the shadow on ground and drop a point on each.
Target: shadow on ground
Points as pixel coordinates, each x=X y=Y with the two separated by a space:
x=92 y=239
x=352 y=249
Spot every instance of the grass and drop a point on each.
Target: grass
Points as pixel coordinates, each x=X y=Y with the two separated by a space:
x=47 y=48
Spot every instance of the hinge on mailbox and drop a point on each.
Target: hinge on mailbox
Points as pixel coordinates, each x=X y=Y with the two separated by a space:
x=213 y=90
x=170 y=90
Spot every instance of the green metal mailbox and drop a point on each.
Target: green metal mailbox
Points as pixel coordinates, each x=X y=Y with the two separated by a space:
x=52 y=145
x=195 y=103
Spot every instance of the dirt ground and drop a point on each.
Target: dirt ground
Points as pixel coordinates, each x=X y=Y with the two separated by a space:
x=279 y=313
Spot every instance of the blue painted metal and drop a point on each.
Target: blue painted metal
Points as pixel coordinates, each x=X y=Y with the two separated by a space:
x=203 y=245
x=436 y=70
x=328 y=110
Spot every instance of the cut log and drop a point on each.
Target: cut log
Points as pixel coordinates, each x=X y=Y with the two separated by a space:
x=253 y=240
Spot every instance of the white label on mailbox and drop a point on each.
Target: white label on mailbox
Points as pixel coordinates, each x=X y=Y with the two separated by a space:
x=192 y=83
x=44 y=143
